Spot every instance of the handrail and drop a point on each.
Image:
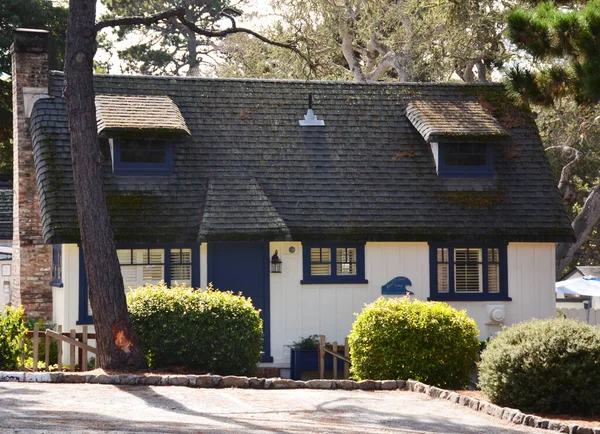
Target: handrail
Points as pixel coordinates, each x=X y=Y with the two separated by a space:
x=323 y=350
x=70 y=341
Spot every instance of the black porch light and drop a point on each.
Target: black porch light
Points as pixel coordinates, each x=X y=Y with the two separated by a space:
x=275 y=263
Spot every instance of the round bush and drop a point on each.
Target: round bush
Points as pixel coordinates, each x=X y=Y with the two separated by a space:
x=548 y=365
x=210 y=331
x=12 y=330
x=403 y=338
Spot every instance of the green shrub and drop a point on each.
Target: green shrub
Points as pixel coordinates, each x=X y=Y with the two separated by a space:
x=404 y=338
x=548 y=365
x=12 y=331
x=210 y=330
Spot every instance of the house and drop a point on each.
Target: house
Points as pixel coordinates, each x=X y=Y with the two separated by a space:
x=441 y=189
x=566 y=302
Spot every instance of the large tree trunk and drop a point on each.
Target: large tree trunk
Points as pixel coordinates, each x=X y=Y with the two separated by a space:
x=117 y=344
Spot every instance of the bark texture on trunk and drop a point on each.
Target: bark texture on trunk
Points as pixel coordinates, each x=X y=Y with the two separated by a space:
x=117 y=344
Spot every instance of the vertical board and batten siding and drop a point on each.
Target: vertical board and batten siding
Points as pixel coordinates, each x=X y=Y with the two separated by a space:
x=301 y=310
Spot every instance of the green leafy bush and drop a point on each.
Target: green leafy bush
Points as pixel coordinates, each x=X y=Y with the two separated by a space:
x=404 y=338
x=12 y=331
x=210 y=330
x=548 y=365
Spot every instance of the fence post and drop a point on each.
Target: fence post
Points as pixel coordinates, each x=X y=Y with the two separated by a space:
x=47 y=351
x=59 y=349
x=346 y=355
x=321 y=357
x=36 y=345
x=84 y=353
x=335 y=360
x=73 y=336
x=22 y=357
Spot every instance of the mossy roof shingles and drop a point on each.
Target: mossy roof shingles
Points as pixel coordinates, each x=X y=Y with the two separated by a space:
x=249 y=171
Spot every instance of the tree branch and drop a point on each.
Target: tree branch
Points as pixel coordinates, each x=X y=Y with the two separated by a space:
x=230 y=31
x=140 y=20
x=565 y=173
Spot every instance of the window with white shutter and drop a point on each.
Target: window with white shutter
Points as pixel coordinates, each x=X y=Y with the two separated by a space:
x=468 y=273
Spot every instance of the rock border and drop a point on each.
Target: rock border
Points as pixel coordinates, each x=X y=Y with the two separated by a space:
x=217 y=381
x=506 y=413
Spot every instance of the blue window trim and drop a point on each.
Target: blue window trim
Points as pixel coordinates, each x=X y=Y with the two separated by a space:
x=153 y=169
x=56 y=266
x=502 y=295
x=486 y=171
x=333 y=278
x=86 y=318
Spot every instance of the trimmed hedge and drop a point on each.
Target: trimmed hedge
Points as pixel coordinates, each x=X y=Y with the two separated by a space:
x=210 y=330
x=548 y=365
x=12 y=330
x=403 y=338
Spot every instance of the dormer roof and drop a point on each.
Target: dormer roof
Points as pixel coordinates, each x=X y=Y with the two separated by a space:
x=147 y=113
x=438 y=120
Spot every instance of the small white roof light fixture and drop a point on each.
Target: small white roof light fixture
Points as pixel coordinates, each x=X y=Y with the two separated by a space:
x=310 y=119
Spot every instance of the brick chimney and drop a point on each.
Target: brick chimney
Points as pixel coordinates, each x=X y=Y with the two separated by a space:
x=31 y=258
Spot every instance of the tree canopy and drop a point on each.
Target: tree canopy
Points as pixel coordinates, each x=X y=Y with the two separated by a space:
x=374 y=40
x=563 y=40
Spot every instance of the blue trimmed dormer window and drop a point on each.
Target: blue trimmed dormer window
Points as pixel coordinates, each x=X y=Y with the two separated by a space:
x=465 y=160
x=333 y=263
x=141 y=156
x=468 y=273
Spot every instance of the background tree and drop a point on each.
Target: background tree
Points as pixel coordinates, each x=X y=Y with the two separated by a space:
x=36 y=14
x=408 y=40
x=117 y=344
x=168 y=46
x=564 y=41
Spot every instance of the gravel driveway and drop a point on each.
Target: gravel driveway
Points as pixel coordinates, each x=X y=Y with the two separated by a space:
x=93 y=408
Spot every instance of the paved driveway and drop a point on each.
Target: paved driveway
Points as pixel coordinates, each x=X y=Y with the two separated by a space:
x=93 y=408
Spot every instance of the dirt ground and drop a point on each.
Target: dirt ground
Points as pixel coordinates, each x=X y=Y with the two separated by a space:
x=94 y=408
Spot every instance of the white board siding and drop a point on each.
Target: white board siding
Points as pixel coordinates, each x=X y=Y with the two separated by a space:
x=302 y=310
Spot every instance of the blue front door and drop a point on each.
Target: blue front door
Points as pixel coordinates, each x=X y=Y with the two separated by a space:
x=243 y=267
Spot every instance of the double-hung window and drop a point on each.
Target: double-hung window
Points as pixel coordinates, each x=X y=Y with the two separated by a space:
x=334 y=263
x=141 y=266
x=468 y=272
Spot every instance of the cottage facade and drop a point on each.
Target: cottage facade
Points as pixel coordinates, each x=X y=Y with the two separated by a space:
x=439 y=189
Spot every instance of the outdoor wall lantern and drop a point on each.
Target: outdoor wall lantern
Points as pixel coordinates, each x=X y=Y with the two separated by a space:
x=275 y=263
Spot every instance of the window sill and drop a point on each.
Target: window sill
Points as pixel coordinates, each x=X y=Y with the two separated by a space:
x=333 y=281
x=86 y=321
x=469 y=297
x=57 y=284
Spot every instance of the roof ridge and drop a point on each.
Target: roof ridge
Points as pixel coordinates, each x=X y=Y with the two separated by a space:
x=276 y=80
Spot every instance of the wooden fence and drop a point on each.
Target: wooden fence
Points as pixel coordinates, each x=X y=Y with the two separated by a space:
x=333 y=350
x=78 y=347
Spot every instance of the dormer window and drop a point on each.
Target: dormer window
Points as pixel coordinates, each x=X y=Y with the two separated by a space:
x=469 y=160
x=462 y=136
x=141 y=156
x=141 y=131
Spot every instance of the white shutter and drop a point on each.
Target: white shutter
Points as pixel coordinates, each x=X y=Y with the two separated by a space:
x=493 y=271
x=320 y=262
x=467 y=270
x=346 y=261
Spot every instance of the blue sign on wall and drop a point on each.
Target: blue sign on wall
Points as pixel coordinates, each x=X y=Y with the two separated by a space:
x=397 y=286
